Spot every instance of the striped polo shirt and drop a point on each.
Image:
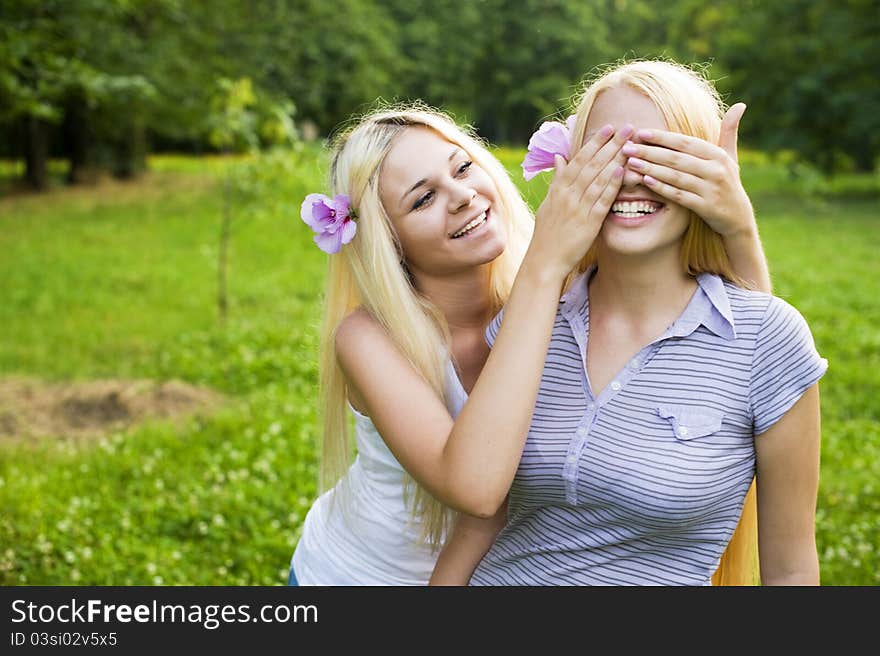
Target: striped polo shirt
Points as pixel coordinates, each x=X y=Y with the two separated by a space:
x=644 y=484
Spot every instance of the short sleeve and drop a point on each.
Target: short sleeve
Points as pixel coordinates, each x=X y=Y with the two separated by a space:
x=492 y=329
x=785 y=365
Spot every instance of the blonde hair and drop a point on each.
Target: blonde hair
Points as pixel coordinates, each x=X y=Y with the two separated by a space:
x=371 y=272
x=691 y=105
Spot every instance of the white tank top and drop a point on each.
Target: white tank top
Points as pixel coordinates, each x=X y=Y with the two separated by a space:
x=374 y=541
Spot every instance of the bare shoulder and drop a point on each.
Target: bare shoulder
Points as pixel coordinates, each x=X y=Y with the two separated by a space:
x=357 y=330
x=361 y=340
x=370 y=360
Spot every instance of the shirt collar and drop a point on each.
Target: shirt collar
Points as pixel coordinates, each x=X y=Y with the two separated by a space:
x=717 y=315
x=575 y=297
x=709 y=306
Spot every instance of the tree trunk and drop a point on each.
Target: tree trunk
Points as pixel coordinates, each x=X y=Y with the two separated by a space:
x=223 y=250
x=865 y=159
x=130 y=153
x=80 y=142
x=36 y=152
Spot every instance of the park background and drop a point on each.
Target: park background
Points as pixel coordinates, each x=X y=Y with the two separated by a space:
x=159 y=294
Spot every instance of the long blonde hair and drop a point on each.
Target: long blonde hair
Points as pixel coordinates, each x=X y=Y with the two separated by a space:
x=691 y=105
x=370 y=272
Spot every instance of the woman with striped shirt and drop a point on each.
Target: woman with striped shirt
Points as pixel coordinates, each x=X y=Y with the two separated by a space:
x=442 y=240
x=668 y=387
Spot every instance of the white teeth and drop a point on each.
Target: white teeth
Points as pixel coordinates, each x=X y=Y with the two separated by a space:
x=473 y=223
x=633 y=209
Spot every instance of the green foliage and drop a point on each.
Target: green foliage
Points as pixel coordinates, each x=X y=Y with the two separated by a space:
x=243 y=120
x=812 y=90
x=517 y=62
x=331 y=58
x=89 y=292
x=52 y=49
x=125 y=68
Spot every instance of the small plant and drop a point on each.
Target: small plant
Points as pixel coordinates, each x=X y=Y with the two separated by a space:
x=261 y=127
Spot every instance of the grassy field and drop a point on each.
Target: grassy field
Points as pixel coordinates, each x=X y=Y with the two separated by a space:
x=118 y=281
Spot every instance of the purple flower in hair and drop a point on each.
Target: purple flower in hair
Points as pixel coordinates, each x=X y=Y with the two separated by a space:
x=552 y=138
x=332 y=220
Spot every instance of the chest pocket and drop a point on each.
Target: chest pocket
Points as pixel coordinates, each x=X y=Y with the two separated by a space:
x=689 y=422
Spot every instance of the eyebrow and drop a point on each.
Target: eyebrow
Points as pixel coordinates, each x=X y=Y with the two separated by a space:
x=424 y=180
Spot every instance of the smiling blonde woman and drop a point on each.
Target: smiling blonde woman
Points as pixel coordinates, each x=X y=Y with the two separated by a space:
x=668 y=388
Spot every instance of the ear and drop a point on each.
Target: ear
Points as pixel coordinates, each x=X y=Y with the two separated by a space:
x=730 y=129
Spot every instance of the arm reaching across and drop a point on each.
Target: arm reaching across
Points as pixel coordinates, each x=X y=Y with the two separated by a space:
x=469 y=464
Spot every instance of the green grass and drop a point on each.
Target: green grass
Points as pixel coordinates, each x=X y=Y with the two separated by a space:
x=120 y=281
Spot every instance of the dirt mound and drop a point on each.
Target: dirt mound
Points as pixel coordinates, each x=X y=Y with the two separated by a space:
x=33 y=409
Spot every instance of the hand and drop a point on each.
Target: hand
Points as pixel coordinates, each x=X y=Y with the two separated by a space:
x=696 y=174
x=578 y=200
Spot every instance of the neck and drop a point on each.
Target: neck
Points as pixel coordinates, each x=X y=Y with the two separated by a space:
x=641 y=289
x=463 y=298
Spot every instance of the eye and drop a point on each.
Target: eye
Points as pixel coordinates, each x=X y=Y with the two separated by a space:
x=424 y=200
x=463 y=169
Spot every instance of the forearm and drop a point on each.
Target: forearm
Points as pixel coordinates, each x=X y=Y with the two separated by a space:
x=805 y=577
x=799 y=570
x=484 y=448
x=747 y=258
x=471 y=539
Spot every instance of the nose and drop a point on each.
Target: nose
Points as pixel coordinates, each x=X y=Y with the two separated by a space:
x=631 y=178
x=461 y=196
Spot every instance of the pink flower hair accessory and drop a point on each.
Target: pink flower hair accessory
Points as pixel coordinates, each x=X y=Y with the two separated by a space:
x=552 y=138
x=332 y=219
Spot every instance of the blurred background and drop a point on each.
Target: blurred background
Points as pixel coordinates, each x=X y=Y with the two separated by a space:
x=159 y=295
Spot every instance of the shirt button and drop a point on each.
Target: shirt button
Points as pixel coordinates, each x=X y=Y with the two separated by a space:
x=634 y=364
x=591 y=406
x=581 y=431
x=682 y=430
x=615 y=386
x=571 y=459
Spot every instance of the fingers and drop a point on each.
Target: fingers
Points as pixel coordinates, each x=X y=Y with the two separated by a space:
x=681 y=142
x=597 y=152
x=585 y=154
x=559 y=162
x=682 y=197
x=608 y=194
x=641 y=157
x=730 y=129
x=607 y=155
x=681 y=178
x=677 y=176
x=592 y=183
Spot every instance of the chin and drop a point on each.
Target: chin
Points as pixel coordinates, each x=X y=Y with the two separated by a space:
x=493 y=252
x=628 y=244
x=624 y=241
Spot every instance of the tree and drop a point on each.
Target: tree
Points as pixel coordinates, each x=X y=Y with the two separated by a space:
x=243 y=120
x=807 y=70
x=57 y=64
x=502 y=64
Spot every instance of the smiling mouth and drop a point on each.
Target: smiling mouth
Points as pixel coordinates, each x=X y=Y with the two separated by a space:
x=472 y=225
x=635 y=209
